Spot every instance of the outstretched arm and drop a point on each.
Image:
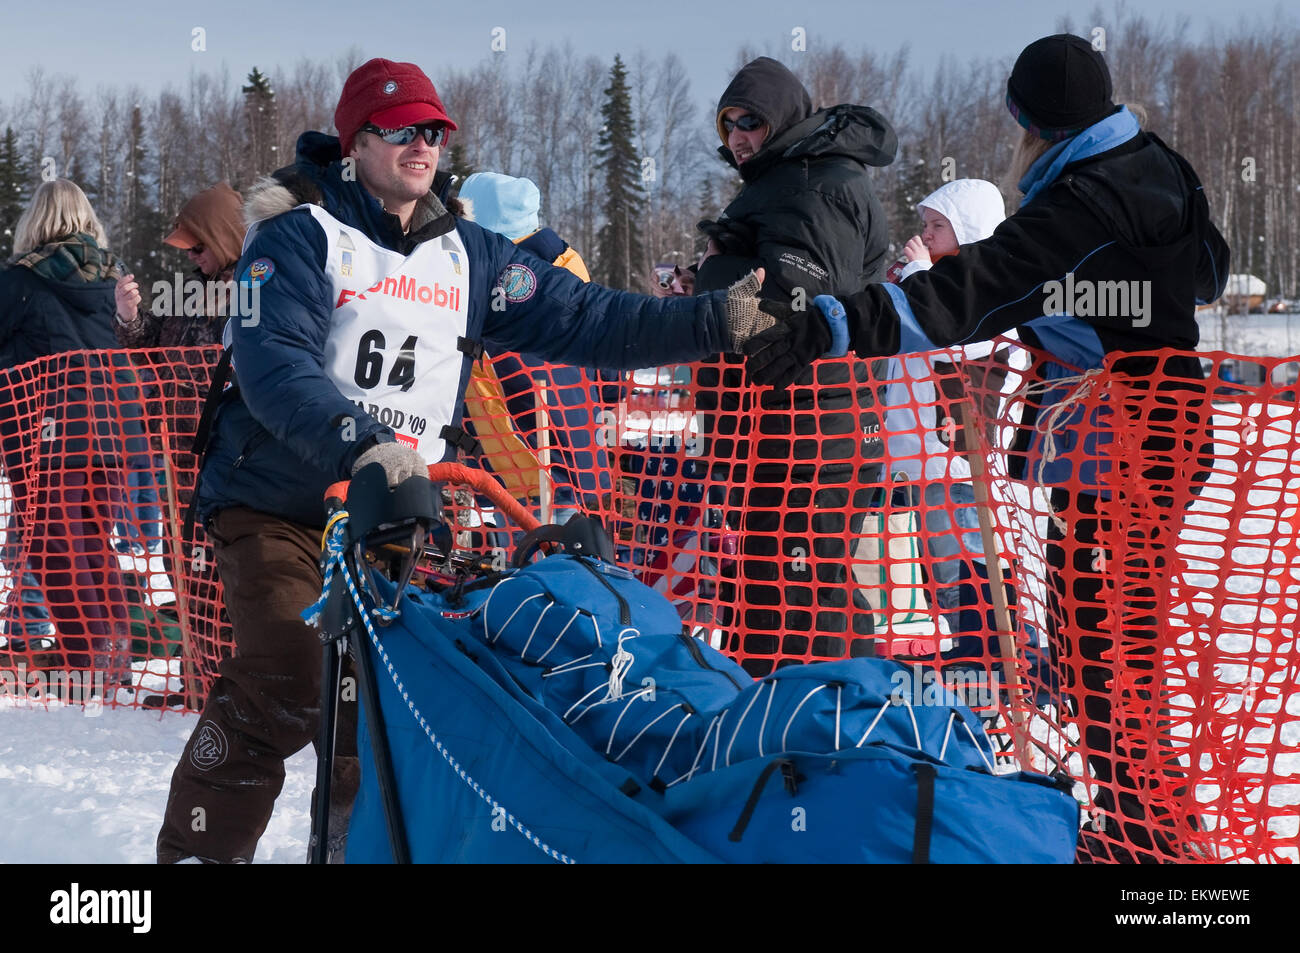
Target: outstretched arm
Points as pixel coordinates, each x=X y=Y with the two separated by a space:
x=991 y=287
x=549 y=312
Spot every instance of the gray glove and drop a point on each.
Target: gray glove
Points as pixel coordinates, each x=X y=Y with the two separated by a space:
x=744 y=318
x=399 y=461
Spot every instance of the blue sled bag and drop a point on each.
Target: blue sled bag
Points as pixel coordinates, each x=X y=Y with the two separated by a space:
x=874 y=805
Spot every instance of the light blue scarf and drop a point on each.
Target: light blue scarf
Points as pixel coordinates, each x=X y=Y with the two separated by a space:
x=1116 y=129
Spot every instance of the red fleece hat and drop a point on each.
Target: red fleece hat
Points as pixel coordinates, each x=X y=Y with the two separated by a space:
x=389 y=95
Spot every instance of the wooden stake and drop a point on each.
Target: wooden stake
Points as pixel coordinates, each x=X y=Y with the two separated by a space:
x=188 y=677
x=1001 y=613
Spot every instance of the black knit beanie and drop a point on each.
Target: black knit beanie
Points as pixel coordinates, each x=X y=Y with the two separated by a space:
x=1059 y=86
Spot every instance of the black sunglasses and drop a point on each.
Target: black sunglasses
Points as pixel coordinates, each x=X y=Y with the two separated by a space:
x=435 y=134
x=746 y=123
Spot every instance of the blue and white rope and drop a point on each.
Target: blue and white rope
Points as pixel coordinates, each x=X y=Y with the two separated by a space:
x=335 y=562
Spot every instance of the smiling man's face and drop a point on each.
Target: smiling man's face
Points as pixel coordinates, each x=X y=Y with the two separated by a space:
x=396 y=175
x=743 y=144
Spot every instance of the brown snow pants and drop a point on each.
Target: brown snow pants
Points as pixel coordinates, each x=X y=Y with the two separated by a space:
x=265 y=704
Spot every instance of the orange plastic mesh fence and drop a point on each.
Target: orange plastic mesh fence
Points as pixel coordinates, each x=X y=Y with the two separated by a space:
x=103 y=598
x=1144 y=526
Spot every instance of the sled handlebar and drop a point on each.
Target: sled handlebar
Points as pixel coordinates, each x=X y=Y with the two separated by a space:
x=478 y=480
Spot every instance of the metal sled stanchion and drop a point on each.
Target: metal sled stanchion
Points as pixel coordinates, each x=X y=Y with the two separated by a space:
x=402 y=525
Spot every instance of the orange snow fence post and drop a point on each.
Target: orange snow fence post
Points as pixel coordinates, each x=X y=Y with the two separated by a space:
x=1105 y=566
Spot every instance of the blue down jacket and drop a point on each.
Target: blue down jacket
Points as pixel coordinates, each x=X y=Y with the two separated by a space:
x=279 y=437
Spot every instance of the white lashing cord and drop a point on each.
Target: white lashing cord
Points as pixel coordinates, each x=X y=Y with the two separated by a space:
x=796 y=712
x=664 y=756
x=565 y=666
x=576 y=613
x=946 y=735
x=511 y=618
x=643 y=693
x=572 y=668
x=872 y=727
x=565 y=716
x=713 y=766
x=732 y=742
x=523 y=653
x=762 y=729
x=487 y=603
x=649 y=725
x=620 y=663
x=698 y=754
x=977 y=746
x=911 y=714
x=839 y=694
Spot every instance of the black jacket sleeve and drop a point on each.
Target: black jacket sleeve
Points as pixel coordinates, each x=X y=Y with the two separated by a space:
x=990 y=287
x=1211 y=267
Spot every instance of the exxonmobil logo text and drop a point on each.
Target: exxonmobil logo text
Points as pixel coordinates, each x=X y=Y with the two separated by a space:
x=403 y=286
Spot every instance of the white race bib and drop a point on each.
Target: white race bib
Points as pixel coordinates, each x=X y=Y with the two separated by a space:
x=392 y=343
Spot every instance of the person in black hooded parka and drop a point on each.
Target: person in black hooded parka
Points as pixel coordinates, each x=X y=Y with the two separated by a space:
x=808 y=216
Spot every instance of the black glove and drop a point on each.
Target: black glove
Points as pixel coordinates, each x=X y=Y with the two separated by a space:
x=779 y=355
x=732 y=237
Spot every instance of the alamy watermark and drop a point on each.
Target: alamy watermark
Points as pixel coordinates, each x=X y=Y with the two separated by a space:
x=1099 y=299
x=69 y=686
x=191 y=297
x=919 y=685
x=76 y=906
x=665 y=431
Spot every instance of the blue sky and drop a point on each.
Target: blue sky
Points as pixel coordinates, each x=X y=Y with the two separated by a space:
x=149 y=42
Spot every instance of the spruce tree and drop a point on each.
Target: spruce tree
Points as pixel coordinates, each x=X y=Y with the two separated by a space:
x=143 y=226
x=915 y=182
x=708 y=209
x=263 y=125
x=620 y=257
x=14 y=190
x=458 y=163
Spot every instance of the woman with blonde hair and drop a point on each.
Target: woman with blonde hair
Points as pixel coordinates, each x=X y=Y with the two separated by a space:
x=65 y=437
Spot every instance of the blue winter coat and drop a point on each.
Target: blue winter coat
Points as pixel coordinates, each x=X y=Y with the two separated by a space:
x=280 y=439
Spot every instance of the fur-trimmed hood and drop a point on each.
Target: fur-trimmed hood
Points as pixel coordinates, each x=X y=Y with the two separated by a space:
x=316 y=178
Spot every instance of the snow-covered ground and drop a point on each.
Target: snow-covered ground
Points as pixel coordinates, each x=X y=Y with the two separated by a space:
x=1261 y=335
x=90 y=789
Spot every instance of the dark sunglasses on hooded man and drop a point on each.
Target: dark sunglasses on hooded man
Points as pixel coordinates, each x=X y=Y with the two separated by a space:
x=746 y=123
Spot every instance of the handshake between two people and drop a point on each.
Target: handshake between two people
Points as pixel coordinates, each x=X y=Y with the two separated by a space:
x=779 y=341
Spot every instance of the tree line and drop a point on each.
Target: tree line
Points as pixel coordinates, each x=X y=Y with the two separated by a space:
x=625 y=158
